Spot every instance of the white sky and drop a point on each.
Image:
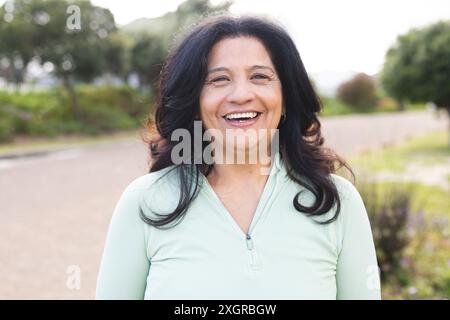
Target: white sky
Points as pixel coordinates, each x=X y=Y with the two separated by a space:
x=336 y=36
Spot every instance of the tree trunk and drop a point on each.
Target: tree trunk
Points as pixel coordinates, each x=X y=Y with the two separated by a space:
x=448 y=124
x=18 y=78
x=401 y=105
x=75 y=107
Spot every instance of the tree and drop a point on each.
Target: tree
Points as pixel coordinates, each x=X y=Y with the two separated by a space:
x=417 y=67
x=359 y=92
x=117 y=54
x=155 y=36
x=74 y=36
x=147 y=56
x=15 y=54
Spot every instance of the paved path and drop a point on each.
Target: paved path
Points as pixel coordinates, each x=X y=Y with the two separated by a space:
x=352 y=134
x=54 y=214
x=55 y=209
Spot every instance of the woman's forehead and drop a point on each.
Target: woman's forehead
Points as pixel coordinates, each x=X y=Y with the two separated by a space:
x=241 y=51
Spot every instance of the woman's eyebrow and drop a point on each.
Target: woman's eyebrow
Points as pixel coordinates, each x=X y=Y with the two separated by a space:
x=218 y=69
x=261 y=67
x=250 y=68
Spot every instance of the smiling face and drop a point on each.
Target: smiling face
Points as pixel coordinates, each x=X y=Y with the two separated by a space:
x=242 y=89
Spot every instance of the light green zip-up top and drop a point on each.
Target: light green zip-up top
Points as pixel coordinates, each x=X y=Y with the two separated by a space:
x=285 y=255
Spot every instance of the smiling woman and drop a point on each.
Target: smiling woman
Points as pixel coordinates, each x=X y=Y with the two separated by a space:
x=224 y=230
x=242 y=89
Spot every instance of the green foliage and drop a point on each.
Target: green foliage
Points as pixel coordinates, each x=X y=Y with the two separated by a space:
x=389 y=210
x=117 y=54
x=17 y=53
x=125 y=98
x=41 y=26
x=410 y=226
x=426 y=150
x=166 y=26
x=80 y=44
x=103 y=118
x=104 y=109
x=147 y=56
x=6 y=127
x=410 y=220
x=359 y=92
x=334 y=107
x=154 y=37
x=417 y=67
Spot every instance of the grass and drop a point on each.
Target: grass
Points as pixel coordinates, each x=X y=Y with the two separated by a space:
x=334 y=107
x=426 y=150
x=423 y=271
x=432 y=199
x=426 y=258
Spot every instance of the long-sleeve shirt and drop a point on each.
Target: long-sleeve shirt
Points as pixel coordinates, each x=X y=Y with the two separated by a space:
x=285 y=254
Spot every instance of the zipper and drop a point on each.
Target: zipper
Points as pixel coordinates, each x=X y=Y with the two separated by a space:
x=249 y=241
x=254 y=265
x=253 y=255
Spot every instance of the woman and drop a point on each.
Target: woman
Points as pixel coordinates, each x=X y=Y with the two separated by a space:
x=193 y=228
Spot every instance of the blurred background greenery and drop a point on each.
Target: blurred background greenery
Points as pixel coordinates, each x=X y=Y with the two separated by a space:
x=405 y=188
x=108 y=75
x=56 y=80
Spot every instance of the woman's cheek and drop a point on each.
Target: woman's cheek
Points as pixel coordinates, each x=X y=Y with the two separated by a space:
x=210 y=106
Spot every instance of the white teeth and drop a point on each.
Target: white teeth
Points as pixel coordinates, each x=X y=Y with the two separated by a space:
x=241 y=115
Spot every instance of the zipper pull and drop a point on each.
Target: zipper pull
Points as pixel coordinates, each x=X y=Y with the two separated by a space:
x=254 y=259
x=249 y=242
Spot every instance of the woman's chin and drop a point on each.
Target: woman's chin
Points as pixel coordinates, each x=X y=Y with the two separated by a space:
x=243 y=150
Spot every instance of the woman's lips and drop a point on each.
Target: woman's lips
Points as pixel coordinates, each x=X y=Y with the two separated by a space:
x=242 y=123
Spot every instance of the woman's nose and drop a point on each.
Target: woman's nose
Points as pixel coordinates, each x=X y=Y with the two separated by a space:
x=240 y=92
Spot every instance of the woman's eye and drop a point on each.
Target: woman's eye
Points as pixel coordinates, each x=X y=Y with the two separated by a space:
x=256 y=78
x=219 y=79
x=260 y=76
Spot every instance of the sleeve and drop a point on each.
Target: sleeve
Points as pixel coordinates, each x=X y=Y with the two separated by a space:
x=124 y=265
x=357 y=273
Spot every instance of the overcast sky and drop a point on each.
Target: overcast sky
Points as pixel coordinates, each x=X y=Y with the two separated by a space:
x=336 y=36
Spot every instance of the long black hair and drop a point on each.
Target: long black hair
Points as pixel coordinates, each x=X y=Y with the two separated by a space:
x=182 y=77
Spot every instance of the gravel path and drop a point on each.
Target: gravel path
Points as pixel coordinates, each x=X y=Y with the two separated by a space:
x=55 y=209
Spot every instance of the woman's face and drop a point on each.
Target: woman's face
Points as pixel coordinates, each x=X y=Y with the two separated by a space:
x=242 y=89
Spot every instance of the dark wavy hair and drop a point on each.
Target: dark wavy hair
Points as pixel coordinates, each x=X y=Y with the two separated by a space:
x=183 y=74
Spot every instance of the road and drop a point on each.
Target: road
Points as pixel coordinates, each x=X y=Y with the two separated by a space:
x=55 y=209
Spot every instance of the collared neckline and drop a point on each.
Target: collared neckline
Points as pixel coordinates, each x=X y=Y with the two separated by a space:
x=267 y=195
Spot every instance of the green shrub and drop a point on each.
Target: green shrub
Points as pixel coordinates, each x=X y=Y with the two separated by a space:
x=103 y=118
x=389 y=208
x=6 y=128
x=411 y=238
x=359 y=92
x=48 y=113
x=334 y=107
x=125 y=98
